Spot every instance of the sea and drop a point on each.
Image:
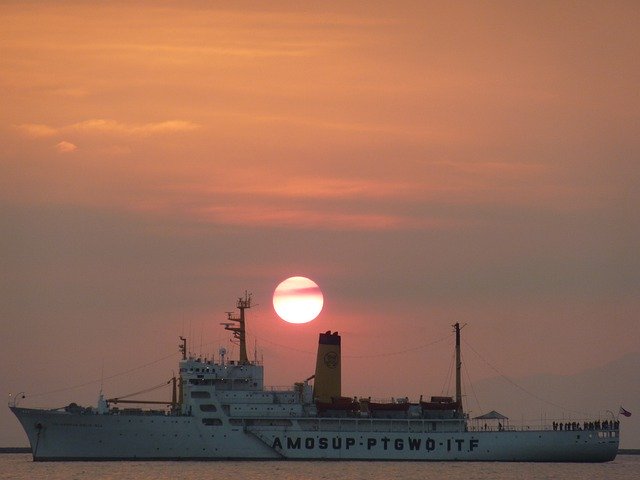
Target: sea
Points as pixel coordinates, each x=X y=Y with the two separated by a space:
x=21 y=467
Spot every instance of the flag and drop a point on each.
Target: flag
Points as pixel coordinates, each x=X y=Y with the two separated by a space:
x=624 y=412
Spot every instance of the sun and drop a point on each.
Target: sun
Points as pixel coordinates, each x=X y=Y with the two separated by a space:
x=298 y=300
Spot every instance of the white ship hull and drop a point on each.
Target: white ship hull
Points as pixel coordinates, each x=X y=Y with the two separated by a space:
x=65 y=436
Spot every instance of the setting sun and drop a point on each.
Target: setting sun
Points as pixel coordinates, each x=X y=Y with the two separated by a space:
x=298 y=300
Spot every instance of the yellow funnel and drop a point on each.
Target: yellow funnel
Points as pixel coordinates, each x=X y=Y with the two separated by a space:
x=328 y=379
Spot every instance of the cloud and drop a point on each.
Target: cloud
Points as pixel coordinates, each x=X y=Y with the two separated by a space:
x=100 y=125
x=144 y=129
x=66 y=147
x=315 y=218
x=326 y=203
x=37 y=130
x=275 y=186
x=294 y=217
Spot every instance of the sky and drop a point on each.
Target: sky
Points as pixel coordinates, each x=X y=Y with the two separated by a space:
x=425 y=163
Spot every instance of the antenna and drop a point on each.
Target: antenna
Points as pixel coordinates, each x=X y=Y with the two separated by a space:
x=101 y=377
x=183 y=347
x=222 y=351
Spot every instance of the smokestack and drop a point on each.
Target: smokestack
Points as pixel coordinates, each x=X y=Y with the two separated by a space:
x=328 y=379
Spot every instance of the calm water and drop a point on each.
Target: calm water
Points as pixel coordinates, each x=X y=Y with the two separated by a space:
x=20 y=467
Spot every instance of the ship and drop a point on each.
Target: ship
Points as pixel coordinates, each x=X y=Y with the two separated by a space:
x=221 y=410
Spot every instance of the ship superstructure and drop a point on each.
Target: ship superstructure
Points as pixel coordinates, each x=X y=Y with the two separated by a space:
x=222 y=410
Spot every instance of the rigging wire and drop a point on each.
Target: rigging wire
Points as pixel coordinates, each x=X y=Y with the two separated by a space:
x=115 y=375
x=131 y=370
x=288 y=347
x=503 y=376
x=373 y=355
x=400 y=352
x=146 y=390
x=470 y=383
x=447 y=381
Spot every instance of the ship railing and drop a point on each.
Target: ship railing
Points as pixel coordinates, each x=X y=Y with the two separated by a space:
x=573 y=426
x=506 y=428
x=279 y=388
x=337 y=424
x=400 y=400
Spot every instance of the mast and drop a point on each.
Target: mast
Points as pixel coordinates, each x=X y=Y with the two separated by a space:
x=176 y=403
x=238 y=330
x=458 y=367
x=174 y=394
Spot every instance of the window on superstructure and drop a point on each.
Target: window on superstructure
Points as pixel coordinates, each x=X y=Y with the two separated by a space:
x=208 y=407
x=200 y=394
x=211 y=422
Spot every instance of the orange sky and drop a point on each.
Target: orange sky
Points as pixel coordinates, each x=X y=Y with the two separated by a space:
x=424 y=163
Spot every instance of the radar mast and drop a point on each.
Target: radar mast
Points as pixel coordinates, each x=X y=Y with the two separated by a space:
x=238 y=330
